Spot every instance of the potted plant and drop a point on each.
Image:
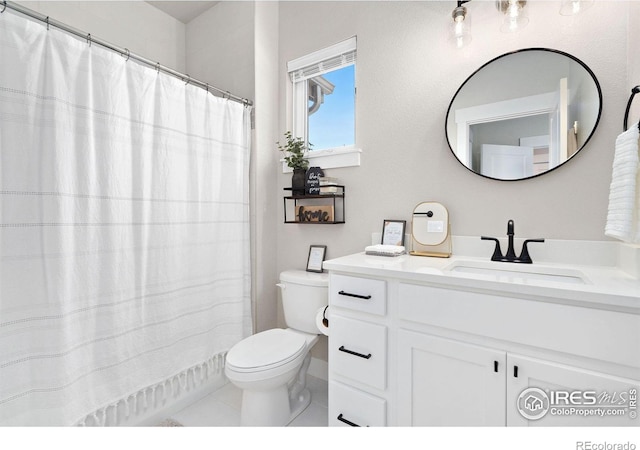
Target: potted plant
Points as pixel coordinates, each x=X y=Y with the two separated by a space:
x=294 y=154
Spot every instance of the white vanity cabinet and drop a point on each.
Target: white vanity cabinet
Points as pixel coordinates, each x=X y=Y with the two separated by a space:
x=443 y=382
x=357 y=351
x=456 y=381
x=414 y=350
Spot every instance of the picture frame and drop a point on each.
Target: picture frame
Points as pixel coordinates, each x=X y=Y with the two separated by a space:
x=393 y=232
x=316 y=258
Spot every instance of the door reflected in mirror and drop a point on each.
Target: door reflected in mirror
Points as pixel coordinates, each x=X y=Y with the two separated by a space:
x=523 y=114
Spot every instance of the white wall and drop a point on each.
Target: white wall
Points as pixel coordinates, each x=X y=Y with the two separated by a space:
x=407 y=73
x=633 y=60
x=264 y=166
x=220 y=47
x=135 y=25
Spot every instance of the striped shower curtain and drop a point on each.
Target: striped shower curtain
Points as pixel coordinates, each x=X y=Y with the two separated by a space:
x=124 y=230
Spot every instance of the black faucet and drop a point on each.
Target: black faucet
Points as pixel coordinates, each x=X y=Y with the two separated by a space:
x=511 y=254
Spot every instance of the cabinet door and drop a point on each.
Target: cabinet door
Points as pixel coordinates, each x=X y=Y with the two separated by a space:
x=442 y=382
x=567 y=396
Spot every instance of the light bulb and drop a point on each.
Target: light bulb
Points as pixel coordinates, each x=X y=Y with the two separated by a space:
x=515 y=17
x=573 y=7
x=461 y=29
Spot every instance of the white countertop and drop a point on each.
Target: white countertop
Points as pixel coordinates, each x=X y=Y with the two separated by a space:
x=605 y=287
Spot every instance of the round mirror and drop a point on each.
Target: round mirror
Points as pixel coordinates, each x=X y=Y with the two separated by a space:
x=523 y=114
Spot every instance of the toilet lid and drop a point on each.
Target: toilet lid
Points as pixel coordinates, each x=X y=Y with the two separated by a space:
x=266 y=349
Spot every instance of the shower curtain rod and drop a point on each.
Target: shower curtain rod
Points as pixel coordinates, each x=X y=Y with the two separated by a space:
x=123 y=51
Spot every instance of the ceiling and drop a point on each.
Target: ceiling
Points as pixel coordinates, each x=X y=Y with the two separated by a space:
x=184 y=11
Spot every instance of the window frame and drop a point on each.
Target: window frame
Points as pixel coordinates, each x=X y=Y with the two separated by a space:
x=345 y=156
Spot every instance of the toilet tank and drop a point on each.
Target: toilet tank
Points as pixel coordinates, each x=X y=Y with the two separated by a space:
x=303 y=293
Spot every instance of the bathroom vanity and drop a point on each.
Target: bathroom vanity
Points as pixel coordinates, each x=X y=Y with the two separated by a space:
x=418 y=341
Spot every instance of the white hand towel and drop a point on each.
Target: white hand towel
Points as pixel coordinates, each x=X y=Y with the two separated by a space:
x=623 y=218
x=385 y=250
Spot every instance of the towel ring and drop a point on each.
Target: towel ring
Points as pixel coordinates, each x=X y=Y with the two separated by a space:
x=634 y=91
x=4 y=6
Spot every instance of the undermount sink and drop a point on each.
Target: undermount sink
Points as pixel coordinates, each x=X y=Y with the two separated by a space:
x=522 y=273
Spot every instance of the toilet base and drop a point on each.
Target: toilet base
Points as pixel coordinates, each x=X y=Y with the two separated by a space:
x=279 y=406
x=268 y=408
x=272 y=408
x=299 y=404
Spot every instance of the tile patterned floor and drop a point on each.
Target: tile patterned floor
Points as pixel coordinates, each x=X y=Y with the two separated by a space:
x=222 y=408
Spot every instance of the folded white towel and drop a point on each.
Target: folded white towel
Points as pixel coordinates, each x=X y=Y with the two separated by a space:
x=623 y=218
x=385 y=250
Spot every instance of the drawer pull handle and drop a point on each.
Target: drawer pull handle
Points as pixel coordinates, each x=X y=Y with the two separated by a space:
x=351 y=352
x=348 y=422
x=515 y=371
x=495 y=366
x=348 y=294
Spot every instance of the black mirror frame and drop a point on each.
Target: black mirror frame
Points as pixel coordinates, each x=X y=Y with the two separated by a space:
x=595 y=126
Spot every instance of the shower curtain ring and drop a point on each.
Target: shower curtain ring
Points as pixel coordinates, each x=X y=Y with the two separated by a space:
x=128 y=54
x=228 y=95
x=89 y=39
x=158 y=67
x=47 y=22
x=4 y=6
x=207 y=91
x=188 y=79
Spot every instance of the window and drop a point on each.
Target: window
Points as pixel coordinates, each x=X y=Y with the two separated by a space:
x=324 y=95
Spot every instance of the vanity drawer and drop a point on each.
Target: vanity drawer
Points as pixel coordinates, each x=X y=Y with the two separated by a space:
x=358 y=351
x=352 y=407
x=360 y=294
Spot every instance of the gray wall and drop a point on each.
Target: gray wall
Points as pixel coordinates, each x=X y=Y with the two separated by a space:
x=634 y=61
x=220 y=47
x=407 y=73
x=138 y=26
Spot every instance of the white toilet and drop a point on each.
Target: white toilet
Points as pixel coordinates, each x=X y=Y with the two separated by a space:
x=271 y=366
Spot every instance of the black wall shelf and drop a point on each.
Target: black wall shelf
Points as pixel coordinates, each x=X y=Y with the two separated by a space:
x=315 y=209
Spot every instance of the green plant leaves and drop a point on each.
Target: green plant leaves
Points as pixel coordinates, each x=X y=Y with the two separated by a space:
x=294 y=150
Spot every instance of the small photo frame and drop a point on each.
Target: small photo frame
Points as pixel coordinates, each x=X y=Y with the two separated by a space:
x=316 y=258
x=393 y=232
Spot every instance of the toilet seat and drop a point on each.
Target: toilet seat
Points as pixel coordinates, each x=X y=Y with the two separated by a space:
x=266 y=350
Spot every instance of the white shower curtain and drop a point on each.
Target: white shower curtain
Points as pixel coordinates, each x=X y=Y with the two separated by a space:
x=124 y=230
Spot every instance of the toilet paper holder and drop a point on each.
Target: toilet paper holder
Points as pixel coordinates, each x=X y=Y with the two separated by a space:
x=322 y=320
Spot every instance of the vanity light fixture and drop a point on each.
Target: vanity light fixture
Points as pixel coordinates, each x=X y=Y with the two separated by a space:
x=573 y=7
x=461 y=28
x=515 y=17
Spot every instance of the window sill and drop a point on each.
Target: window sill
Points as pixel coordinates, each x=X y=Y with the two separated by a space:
x=332 y=158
